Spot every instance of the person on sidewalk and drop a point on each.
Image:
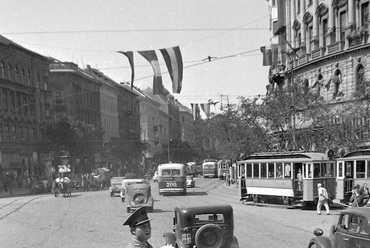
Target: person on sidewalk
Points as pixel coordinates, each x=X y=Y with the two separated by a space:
x=323 y=199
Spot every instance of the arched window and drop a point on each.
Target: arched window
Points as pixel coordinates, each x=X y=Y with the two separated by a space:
x=2 y=75
x=9 y=71
x=360 y=77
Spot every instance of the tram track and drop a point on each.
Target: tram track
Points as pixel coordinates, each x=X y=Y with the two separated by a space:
x=18 y=208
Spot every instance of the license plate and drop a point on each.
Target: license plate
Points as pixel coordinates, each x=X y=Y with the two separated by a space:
x=186 y=238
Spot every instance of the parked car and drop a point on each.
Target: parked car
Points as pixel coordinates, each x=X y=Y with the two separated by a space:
x=203 y=226
x=115 y=185
x=139 y=195
x=155 y=177
x=127 y=182
x=190 y=182
x=351 y=230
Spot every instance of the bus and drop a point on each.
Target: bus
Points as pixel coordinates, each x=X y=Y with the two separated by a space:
x=172 y=178
x=288 y=178
x=223 y=168
x=353 y=168
x=209 y=168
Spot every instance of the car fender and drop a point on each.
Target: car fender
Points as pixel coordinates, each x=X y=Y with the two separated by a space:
x=321 y=242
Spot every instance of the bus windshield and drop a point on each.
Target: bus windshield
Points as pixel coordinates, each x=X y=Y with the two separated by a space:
x=171 y=172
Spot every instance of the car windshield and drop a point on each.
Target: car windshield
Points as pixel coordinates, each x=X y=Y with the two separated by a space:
x=116 y=180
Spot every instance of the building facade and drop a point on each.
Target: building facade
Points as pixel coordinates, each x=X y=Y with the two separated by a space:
x=322 y=46
x=25 y=111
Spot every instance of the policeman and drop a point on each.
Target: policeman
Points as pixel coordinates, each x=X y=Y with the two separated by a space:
x=140 y=228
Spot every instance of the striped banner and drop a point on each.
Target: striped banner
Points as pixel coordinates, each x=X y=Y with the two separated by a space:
x=151 y=56
x=172 y=57
x=130 y=57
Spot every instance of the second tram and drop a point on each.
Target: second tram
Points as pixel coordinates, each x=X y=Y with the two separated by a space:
x=223 y=168
x=289 y=178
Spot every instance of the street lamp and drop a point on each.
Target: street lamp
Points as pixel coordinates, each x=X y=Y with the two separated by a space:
x=282 y=32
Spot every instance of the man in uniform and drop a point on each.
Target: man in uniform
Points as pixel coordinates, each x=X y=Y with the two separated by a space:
x=140 y=229
x=323 y=199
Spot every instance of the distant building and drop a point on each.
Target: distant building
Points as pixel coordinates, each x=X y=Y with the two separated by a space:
x=186 y=123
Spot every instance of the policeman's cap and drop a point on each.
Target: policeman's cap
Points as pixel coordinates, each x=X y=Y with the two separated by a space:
x=140 y=216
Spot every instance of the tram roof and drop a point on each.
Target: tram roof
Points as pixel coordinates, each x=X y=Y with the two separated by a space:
x=358 y=153
x=292 y=156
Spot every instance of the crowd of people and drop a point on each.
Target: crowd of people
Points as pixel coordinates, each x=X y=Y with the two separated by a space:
x=360 y=195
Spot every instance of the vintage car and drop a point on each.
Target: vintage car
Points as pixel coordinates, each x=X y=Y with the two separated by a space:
x=202 y=227
x=127 y=182
x=139 y=195
x=115 y=185
x=155 y=177
x=352 y=230
x=190 y=183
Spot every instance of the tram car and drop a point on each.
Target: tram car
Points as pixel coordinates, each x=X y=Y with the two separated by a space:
x=209 y=167
x=223 y=168
x=288 y=178
x=353 y=169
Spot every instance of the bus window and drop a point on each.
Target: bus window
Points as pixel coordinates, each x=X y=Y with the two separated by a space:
x=256 y=170
x=271 y=170
x=316 y=170
x=279 y=170
x=360 y=169
x=166 y=172
x=249 y=170
x=287 y=169
x=176 y=172
x=263 y=170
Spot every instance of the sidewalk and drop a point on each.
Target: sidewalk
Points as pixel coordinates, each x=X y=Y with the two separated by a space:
x=16 y=191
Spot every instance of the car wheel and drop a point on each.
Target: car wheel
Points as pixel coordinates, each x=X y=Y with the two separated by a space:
x=111 y=194
x=209 y=236
x=128 y=209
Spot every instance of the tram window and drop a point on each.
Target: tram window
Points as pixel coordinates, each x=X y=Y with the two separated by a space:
x=340 y=169
x=360 y=169
x=271 y=169
x=256 y=170
x=310 y=169
x=330 y=169
x=349 y=169
x=287 y=168
x=323 y=171
x=316 y=170
x=263 y=170
x=249 y=170
x=279 y=170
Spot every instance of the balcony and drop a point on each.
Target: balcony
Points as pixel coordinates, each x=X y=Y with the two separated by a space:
x=335 y=47
x=358 y=36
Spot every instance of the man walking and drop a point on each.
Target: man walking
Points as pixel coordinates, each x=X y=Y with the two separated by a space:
x=323 y=199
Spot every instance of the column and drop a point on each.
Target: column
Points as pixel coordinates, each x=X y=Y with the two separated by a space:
x=351 y=14
x=330 y=35
x=303 y=29
x=292 y=19
x=315 y=26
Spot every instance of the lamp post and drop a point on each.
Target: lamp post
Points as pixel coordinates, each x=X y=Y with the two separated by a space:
x=282 y=32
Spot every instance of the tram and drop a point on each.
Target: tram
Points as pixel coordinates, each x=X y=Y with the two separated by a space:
x=209 y=168
x=223 y=168
x=172 y=178
x=353 y=168
x=288 y=178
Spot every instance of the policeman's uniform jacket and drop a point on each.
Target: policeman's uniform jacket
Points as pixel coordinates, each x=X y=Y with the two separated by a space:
x=137 y=244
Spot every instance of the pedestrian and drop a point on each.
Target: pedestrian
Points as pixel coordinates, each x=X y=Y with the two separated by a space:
x=227 y=179
x=140 y=229
x=365 y=193
x=323 y=199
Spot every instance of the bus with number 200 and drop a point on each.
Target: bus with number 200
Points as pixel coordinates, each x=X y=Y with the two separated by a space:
x=172 y=178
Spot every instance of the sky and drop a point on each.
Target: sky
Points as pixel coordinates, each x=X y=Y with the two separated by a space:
x=90 y=32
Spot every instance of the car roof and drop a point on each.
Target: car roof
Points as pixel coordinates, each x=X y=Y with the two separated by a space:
x=204 y=209
x=360 y=211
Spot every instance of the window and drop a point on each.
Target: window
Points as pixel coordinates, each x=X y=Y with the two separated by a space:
x=310 y=35
x=324 y=31
x=279 y=170
x=249 y=170
x=263 y=170
x=271 y=169
x=298 y=6
x=287 y=170
x=342 y=24
x=256 y=170
x=2 y=72
x=360 y=169
x=360 y=80
x=364 y=13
